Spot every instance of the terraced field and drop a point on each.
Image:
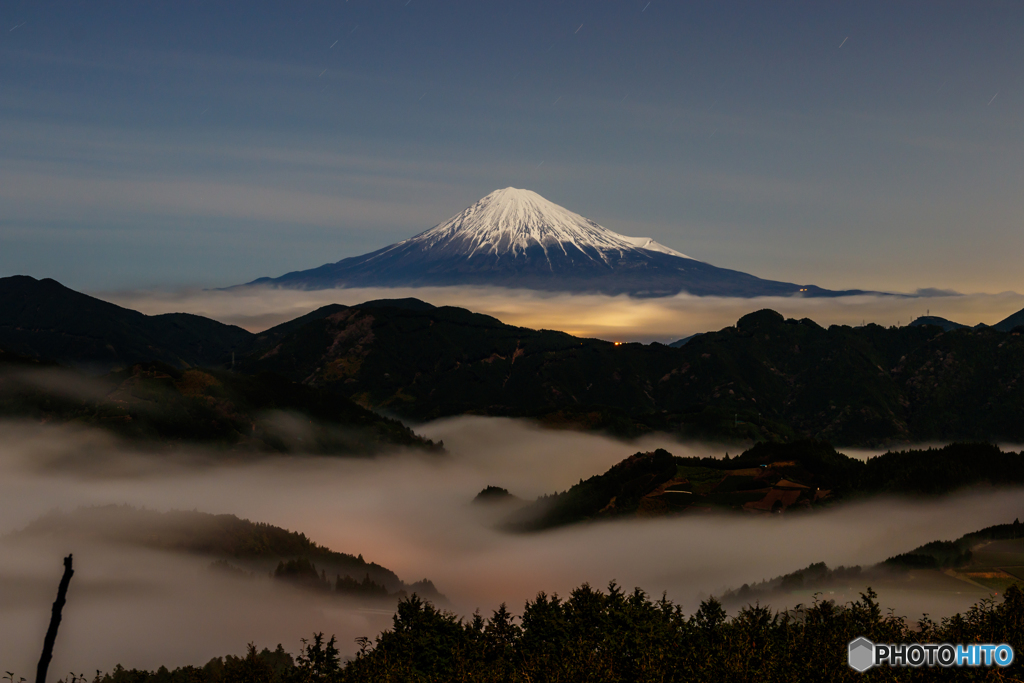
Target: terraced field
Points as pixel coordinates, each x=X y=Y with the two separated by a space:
x=996 y=564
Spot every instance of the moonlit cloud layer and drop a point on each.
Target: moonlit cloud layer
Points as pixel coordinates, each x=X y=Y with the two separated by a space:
x=409 y=513
x=150 y=150
x=619 y=318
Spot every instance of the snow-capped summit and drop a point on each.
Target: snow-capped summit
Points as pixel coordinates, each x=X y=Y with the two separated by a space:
x=511 y=222
x=517 y=238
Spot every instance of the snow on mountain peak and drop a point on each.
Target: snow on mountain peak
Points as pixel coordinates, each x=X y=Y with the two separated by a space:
x=511 y=220
x=516 y=238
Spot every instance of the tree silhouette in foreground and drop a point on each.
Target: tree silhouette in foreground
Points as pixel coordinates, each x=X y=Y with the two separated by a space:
x=615 y=636
x=55 y=614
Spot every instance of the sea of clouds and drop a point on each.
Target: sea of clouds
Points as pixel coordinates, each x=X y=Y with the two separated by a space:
x=617 y=318
x=408 y=511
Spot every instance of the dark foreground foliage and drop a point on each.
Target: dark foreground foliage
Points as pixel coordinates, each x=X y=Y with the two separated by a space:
x=618 y=636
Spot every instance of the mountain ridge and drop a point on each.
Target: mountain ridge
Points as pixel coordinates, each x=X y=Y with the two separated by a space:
x=254 y=545
x=516 y=238
x=764 y=378
x=768 y=478
x=1011 y=322
x=45 y=319
x=157 y=405
x=767 y=377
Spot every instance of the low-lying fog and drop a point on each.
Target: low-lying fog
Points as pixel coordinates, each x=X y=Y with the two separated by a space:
x=410 y=513
x=618 y=318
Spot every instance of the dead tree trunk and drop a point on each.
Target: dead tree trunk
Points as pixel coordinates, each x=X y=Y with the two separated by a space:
x=51 y=633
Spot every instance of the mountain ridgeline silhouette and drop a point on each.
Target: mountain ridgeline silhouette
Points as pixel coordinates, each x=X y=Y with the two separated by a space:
x=766 y=479
x=766 y=378
x=43 y=318
x=227 y=539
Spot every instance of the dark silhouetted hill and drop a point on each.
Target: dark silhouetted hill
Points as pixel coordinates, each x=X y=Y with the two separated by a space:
x=766 y=378
x=934 y=556
x=156 y=403
x=251 y=545
x=768 y=478
x=45 y=319
x=1012 y=322
x=936 y=321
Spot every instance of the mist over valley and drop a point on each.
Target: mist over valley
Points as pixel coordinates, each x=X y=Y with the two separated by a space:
x=409 y=342
x=412 y=514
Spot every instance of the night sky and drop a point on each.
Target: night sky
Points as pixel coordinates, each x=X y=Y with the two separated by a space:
x=859 y=144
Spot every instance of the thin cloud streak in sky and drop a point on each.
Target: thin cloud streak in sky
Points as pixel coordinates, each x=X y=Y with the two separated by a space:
x=279 y=199
x=65 y=197
x=834 y=170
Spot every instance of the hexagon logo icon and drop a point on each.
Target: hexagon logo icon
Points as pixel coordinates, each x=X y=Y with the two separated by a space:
x=861 y=656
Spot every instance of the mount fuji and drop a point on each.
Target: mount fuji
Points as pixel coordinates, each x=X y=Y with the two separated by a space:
x=516 y=238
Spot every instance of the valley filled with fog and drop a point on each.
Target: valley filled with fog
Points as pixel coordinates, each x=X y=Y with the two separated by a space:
x=617 y=318
x=375 y=325
x=410 y=512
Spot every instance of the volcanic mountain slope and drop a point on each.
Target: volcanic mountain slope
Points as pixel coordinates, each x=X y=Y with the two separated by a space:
x=516 y=238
